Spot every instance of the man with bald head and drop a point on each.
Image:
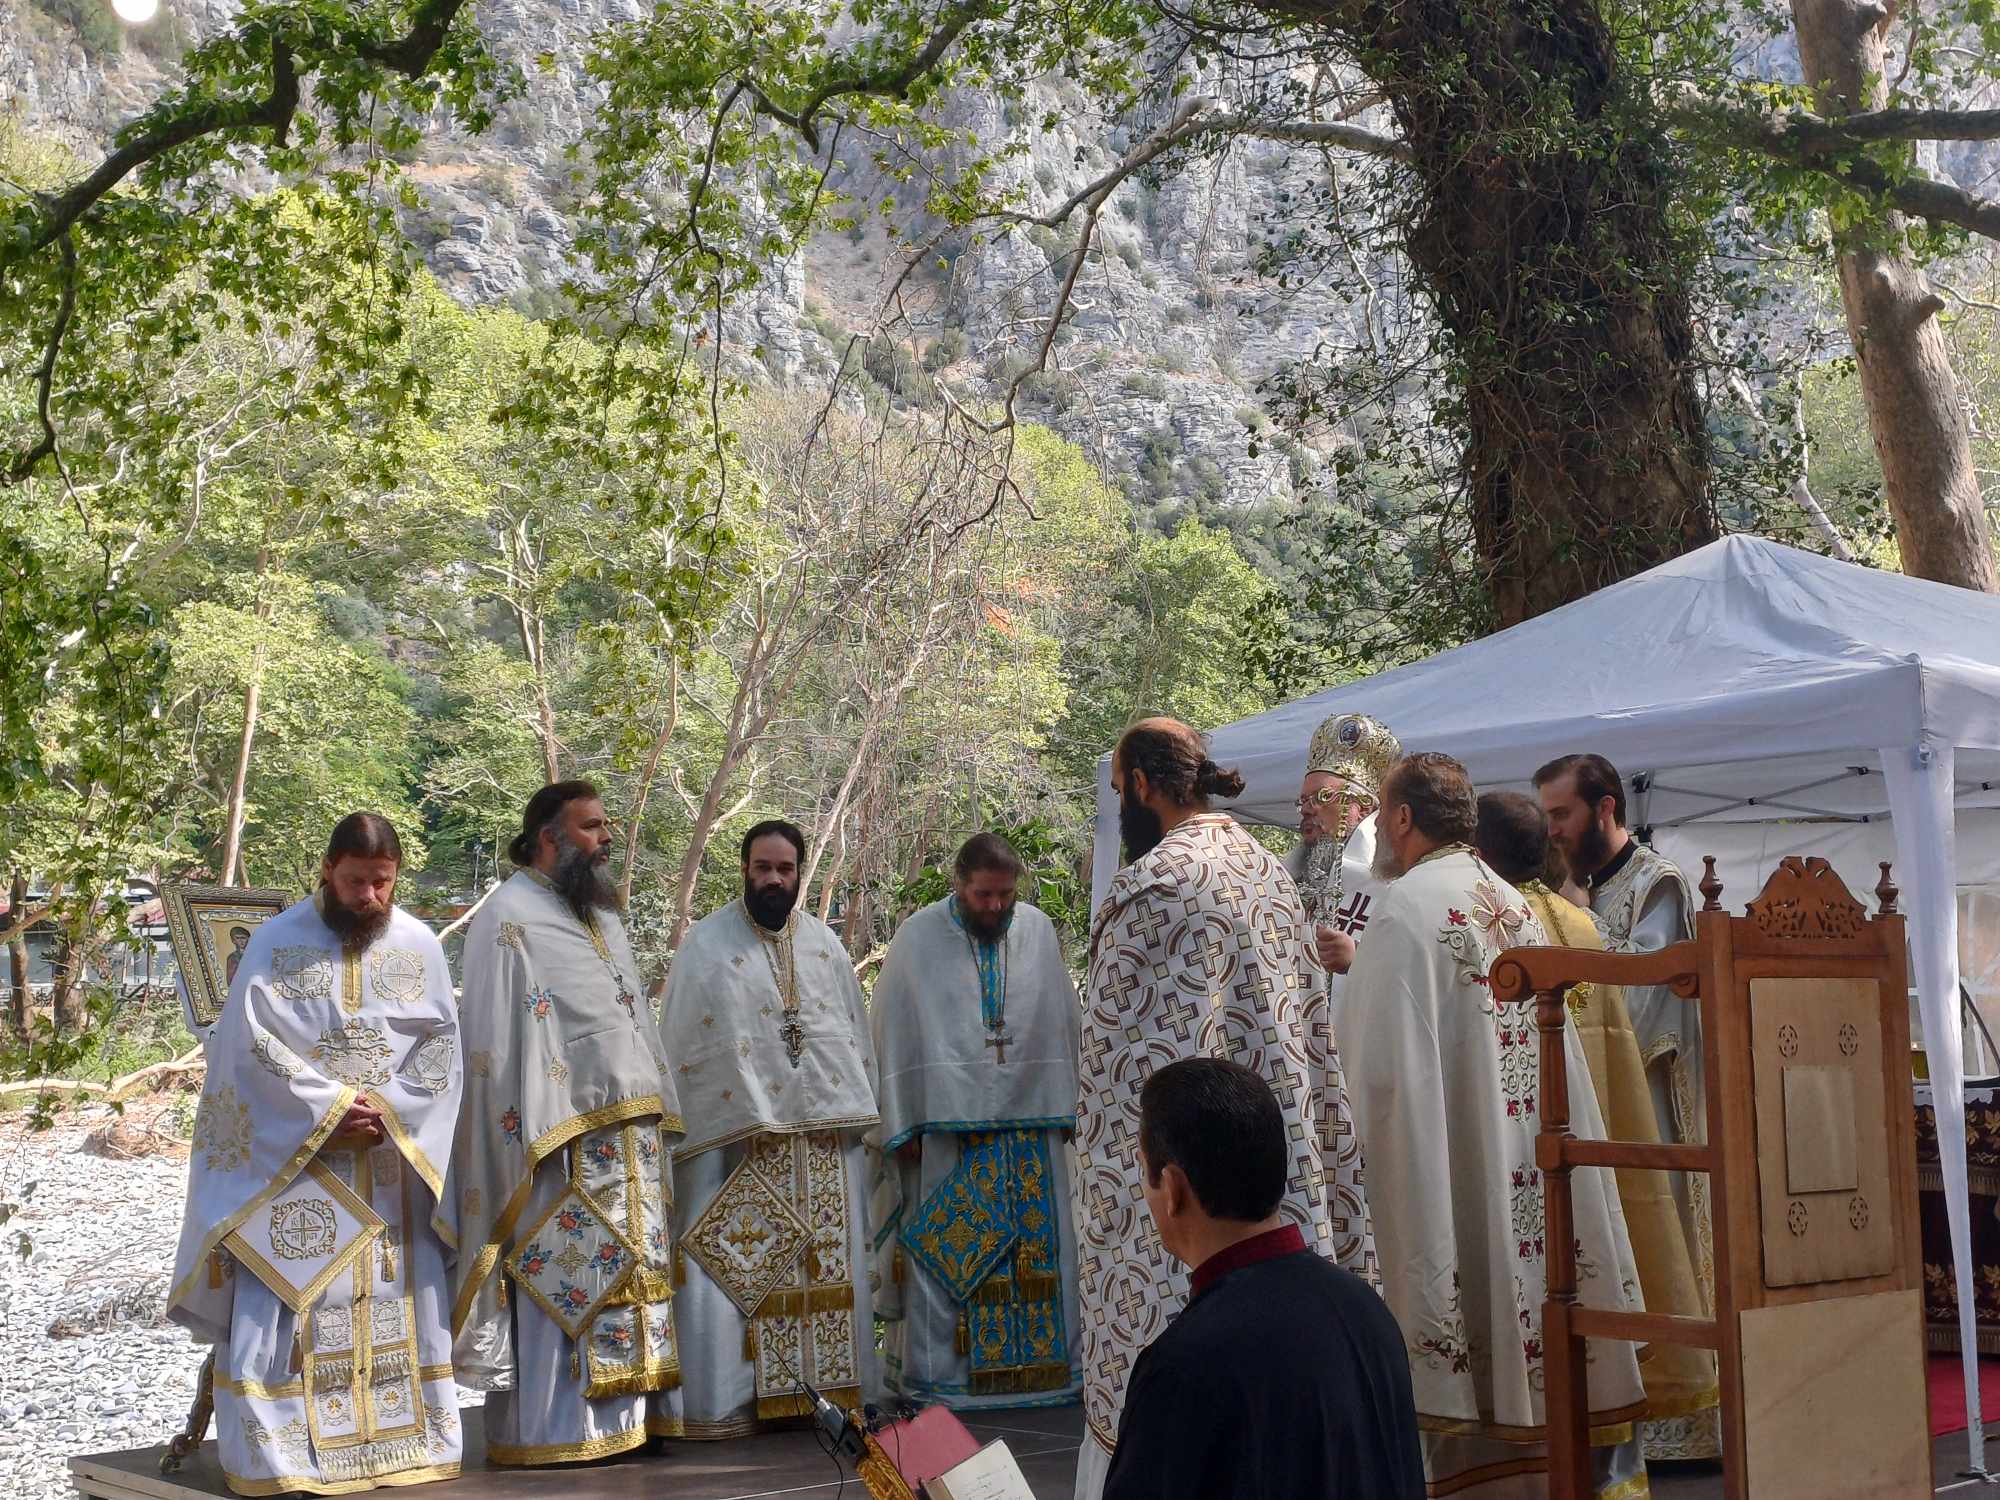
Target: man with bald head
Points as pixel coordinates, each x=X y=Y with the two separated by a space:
x=1200 y=949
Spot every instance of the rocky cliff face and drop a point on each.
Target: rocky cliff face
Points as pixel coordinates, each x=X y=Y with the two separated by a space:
x=1156 y=372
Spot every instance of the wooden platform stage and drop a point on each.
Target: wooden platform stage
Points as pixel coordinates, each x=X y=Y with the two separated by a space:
x=788 y=1463
x=784 y=1463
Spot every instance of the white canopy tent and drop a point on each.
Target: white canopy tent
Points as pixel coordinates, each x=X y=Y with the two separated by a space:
x=1745 y=683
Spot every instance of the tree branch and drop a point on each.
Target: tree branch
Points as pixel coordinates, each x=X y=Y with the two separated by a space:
x=1811 y=142
x=274 y=112
x=45 y=372
x=891 y=83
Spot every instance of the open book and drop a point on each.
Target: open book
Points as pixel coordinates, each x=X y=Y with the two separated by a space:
x=990 y=1474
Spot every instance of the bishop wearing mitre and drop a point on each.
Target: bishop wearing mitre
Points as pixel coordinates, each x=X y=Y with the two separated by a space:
x=564 y=1310
x=975 y=1023
x=314 y=1250
x=1345 y=764
x=764 y=1020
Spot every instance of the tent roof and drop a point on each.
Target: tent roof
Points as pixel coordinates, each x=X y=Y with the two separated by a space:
x=1742 y=651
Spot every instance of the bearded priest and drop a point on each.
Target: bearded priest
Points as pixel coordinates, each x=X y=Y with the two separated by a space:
x=564 y=1308
x=1199 y=950
x=1444 y=1083
x=764 y=1020
x=975 y=1024
x=1641 y=900
x=314 y=1248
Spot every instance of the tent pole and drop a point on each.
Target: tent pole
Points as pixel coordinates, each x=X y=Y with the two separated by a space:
x=1920 y=803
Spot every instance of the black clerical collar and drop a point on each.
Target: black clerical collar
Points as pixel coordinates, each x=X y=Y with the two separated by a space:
x=1272 y=1243
x=1624 y=857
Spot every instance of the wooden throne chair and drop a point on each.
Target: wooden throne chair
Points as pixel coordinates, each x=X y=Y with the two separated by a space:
x=1811 y=1156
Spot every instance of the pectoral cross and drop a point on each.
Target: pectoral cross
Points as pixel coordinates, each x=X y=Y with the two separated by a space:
x=999 y=1041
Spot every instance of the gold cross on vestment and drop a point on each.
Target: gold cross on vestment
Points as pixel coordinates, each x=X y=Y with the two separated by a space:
x=999 y=1041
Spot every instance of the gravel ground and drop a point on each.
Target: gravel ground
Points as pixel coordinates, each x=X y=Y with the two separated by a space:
x=87 y=1362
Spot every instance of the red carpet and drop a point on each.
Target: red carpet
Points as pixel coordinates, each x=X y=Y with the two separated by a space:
x=1947 y=1383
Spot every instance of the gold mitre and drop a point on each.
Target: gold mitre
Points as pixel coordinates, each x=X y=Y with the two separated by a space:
x=1356 y=748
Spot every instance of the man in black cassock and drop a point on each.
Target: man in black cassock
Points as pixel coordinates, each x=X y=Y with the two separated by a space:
x=1283 y=1375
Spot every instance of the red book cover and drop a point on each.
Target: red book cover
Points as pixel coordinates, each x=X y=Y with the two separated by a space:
x=927 y=1445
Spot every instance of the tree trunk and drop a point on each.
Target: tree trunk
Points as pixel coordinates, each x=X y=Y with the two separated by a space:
x=1544 y=232
x=648 y=774
x=68 y=991
x=1916 y=411
x=239 y=781
x=20 y=1005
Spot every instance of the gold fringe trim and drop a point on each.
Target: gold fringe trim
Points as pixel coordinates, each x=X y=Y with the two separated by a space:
x=372 y=1459
x=633 y=1383
x=1038 y=1286
x=286 y=1484
x=777 y=1408
x=566 y=1453
x=392 y=1364
x=645 y=1287
x=993 y=1291
x=772 y=1408
x=1669 y=1407
x=792 y=1303
x=1020 y=1380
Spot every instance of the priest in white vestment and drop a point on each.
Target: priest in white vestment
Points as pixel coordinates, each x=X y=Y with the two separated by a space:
x=315 y=1245
x=563 y=1309
x=975 y=1027
x=1445 y=1087
x=764 y=1020
x=1641 y=901
x=1200 y=949
x=1345 y=764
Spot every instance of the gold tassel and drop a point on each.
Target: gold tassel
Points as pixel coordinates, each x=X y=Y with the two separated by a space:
x=298 y=1353
x=502 y=1293
x=388 y=1258
x=215 y=1270
x=962 y=1341
x=680 y=1267
x=750 y=1342
x=896 y=1265
x=575 y=1364
x=1038 y=1286
x=993 y=1291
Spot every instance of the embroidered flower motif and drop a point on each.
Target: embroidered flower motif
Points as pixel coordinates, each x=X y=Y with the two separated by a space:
x=570 y=1221
x=534 y=1260
x=656 y=1241
x=649 y=1147
x=1498 y=923
x=617 y=1335
x=539 y=1002
x=610 y=1259
x=575 y=1298
x=604 y=1151
x=1455 y=916
x=510 y=1124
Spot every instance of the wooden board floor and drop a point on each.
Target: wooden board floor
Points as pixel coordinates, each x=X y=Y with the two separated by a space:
x=789 y=1464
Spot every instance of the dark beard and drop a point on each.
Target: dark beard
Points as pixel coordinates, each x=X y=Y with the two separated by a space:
x=771 y=904
x=1139 y=827
x=580 y=880
x=355 y=929
x=1593 y=852
x=986 y=930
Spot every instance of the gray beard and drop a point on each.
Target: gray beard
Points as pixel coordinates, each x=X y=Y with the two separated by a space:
x=581 y=881
x=1385 y=867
